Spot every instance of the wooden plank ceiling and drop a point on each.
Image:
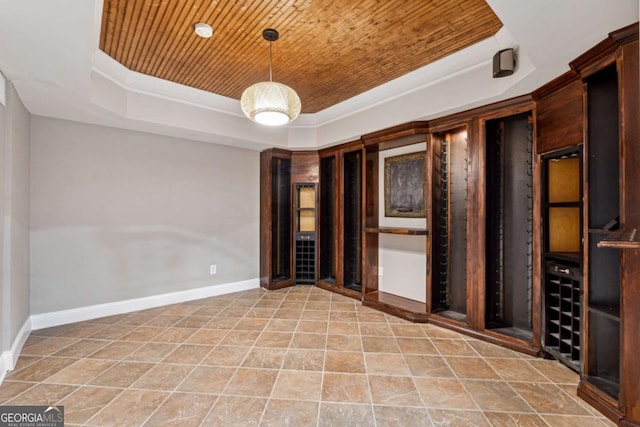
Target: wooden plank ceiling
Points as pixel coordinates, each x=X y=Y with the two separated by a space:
x=328 y=51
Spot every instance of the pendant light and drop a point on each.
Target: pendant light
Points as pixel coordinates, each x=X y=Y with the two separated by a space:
x=270 y=103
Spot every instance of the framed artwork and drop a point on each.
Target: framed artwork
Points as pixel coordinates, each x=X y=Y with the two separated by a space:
x=404 y=186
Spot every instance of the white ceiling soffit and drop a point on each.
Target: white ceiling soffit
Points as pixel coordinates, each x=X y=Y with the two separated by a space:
x=49 y=50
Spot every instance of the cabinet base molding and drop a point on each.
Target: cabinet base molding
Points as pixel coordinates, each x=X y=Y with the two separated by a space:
x=274 y=286
x=601 y=402
x=340 y=290
x=487 y=336
x=413 y=311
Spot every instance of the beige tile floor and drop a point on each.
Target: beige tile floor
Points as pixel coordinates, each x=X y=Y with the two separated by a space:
x=296 y=357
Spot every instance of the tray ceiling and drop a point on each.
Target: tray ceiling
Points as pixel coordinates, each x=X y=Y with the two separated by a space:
x=328 y=51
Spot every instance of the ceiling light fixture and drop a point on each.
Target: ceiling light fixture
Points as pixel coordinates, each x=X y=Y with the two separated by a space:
x=203 y=30
x=270 y=103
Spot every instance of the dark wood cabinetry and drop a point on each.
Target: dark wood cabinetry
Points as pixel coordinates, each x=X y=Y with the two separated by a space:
x=279 y=170
x=275 y=220
x=596 y=104
x=562 y=241
x=449 y=223
x=563 y=311
x=610 y=80
x=352 y=220
x=376 y=145
x=305 y=225
x=509 y=225
x=340 y=222
x=602 y=362
x=327 y=233
x=532 y=232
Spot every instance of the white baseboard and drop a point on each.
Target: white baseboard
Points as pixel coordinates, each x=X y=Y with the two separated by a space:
x=63 y=317
x=9 y=358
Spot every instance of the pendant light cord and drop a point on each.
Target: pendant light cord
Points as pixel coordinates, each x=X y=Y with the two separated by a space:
x=270 y=68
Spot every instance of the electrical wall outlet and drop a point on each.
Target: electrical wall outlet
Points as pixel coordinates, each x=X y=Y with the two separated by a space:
x=380 y=271
x=212 y=269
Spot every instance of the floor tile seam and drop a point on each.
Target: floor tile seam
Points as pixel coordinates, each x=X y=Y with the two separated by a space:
x=492 y=380
x=503 y=357
x=538 y=370
x=157 y=408
x=288 y=399
x=485 y=361
x=446 y=408
x=464 y=387
x=525 y=381
x=369 y=387
x=239 y=365
x=535 y=409
x=44 y=381
x=46 y=378
x=324 y=358
x=555 y=414
x=500 y=411
x=213 y=405
x=450 y=355
x=107 y=342
x=384 y=405
x=121 y=389
x=577 y=399
x=320 y=397
x=457 y=377
x=579 y=402
x=88 y=422
x=21 y=393
x=14 y=371
x=484 y=415
x=370 y=402
x=378 y=374
x=25 y=350
x=175 y=388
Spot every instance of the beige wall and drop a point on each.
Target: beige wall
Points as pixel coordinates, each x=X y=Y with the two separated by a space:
x=118 y=214
x=14 y=146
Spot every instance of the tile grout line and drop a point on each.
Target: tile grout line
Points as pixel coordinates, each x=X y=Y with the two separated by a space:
x=462 y=383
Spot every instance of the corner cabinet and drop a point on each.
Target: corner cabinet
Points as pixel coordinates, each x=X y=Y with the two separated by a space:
x=611 y=335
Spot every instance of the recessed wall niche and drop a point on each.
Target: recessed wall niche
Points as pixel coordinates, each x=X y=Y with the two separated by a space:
x=402 y=259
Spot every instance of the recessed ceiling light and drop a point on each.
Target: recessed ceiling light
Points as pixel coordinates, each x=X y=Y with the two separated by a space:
x=203 y=30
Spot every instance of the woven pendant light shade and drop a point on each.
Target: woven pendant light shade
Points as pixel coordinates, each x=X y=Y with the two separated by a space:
x=270 y=103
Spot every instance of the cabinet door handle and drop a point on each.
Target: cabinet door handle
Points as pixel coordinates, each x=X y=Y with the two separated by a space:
x=561 y=270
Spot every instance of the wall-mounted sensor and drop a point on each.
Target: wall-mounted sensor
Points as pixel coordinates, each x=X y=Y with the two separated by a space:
x=504 y=63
